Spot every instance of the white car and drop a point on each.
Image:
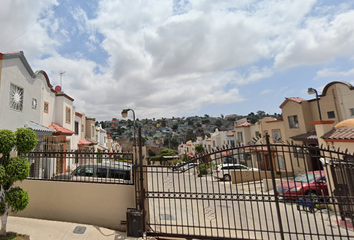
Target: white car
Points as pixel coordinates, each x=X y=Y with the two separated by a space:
x=188 y=166
x=223 y=171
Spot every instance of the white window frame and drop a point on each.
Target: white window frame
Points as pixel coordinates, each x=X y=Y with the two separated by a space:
x=16 y=97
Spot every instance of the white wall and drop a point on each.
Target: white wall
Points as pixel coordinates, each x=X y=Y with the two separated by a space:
x=13 y=71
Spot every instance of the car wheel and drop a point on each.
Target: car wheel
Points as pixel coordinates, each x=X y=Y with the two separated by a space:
x=312 y=196
x=227 y=177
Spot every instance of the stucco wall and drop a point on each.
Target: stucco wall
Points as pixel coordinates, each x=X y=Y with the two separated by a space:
x=88 y=203
x=247 y=176
x=14 y=72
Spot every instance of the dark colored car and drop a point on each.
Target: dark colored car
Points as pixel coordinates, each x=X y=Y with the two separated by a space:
x=308 y=184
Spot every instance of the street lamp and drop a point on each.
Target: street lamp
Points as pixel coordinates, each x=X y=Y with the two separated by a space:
x=141 y=200
x=313 y=91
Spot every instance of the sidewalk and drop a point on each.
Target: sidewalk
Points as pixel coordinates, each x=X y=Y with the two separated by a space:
x=39 y=229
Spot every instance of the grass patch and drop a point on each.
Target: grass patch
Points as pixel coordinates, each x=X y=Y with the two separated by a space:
x=14 y=236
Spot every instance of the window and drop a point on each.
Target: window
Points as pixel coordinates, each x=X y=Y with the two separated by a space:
x=76 y=128
x=85 y=171
x=120 y=174
x=239 y=136
x=276 y=135
x=34 y=103
x=293 y=121
x=67 y=115
x=16 y=98
x=93 y=131
x=351 y=111
x=46 y=107
x=257 y=134
x=298 y=152
x=102 y=172
x=281 y=162
x=331 y=114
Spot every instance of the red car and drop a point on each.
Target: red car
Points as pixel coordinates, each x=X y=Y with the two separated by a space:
x=310 y=183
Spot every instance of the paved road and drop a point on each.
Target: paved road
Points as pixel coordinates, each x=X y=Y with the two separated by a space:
x=186 y=204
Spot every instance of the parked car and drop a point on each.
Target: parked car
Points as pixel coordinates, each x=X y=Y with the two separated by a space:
x=188 y=166
x=223 y=171
x=311 y=184
x=100 y=172
x=176 y=167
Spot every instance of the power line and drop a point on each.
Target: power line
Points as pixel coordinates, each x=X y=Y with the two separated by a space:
x=53 y=10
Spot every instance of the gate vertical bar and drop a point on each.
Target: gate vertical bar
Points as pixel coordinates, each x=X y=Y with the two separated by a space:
x=274 y=187
x=141 y=182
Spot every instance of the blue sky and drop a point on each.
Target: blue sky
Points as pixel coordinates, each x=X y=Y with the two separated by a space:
x=183 y=58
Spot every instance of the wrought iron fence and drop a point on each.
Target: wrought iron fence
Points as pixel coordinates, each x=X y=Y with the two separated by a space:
x=278 y=191
x=82 y=166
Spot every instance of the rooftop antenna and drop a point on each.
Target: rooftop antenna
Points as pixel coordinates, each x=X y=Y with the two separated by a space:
x=61 y=72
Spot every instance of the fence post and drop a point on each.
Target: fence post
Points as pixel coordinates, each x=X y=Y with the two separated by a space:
x=274 y=187
x=141 y=182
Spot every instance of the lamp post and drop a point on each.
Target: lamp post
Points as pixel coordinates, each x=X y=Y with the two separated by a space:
x=313 y=91
x=140 y=198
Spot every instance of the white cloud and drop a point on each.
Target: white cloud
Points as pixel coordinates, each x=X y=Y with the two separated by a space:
x=166 y=58
x=332 y=72
x=21 y=31
x=322 y=39
x=266 y=91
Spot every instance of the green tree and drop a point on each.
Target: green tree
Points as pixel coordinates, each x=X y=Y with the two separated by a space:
x=218 y=123
x=13 y=169
x=205 y=121
x=103 y=124
x=199 y=149
x=151 y=153
x=167 y=152
x=163 y=122
x=175 y=127
x=190 y=136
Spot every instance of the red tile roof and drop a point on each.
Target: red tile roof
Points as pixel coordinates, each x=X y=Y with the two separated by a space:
x=83 y=142
x=245 y=124
x=293 y=99
x=59 y=130
x=230 y=134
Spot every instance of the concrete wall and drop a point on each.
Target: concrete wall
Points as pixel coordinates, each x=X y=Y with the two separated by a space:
x=88 y=203
x=248 y=176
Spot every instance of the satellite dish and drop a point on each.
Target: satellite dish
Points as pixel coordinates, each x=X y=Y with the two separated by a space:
x=58 y=88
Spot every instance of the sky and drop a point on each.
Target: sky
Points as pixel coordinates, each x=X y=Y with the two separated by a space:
x=183 y=58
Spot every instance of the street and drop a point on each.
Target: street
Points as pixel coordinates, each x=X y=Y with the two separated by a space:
x=183 y=203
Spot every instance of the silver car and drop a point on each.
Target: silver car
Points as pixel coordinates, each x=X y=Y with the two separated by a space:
x=223 y=171
x=100 y=172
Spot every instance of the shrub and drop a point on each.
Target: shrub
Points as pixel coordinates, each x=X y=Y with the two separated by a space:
x=7 y=140
x=14 y=199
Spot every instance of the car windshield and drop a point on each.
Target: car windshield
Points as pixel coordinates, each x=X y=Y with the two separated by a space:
x=307 y=177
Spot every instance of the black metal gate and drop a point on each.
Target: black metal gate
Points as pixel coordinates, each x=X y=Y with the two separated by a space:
x=275 y=192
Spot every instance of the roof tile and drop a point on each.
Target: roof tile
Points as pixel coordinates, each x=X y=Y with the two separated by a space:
x=59 y=130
